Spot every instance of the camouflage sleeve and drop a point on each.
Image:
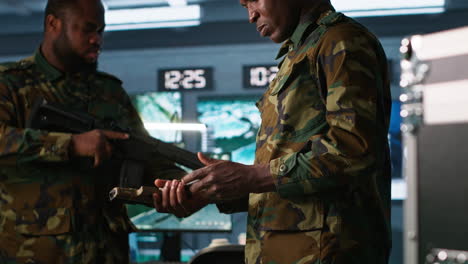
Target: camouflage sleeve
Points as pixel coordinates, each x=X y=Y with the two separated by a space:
x=351 y=68
x=19 y=145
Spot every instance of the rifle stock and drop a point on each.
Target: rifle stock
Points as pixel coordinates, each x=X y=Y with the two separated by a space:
x=142 y=195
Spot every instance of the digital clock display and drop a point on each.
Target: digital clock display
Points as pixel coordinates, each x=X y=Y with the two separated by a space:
x=187 y=79
x=259 y=76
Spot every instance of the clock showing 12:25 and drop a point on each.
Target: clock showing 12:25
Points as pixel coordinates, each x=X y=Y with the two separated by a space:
x=186 y=79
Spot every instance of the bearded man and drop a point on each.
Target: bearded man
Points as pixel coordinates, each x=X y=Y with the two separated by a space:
x=51 y=211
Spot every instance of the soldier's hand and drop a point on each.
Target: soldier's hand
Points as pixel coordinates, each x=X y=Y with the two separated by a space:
x=175 y=200
x=221 y=180
x=95 y=144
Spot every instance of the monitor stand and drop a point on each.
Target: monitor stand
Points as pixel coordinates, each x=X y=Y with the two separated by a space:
x=171 y=246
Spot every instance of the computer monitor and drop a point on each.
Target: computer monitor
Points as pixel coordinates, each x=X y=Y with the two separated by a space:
x=158 y=109
x=159 y=235
x=208 y=219
x=233 y=122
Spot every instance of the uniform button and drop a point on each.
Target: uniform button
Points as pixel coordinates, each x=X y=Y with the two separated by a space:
x=291 y=48
x=53 y=148
x=283 y=168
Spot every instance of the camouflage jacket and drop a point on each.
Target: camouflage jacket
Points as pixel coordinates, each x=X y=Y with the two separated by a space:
x=51 y=210
x=324 y=130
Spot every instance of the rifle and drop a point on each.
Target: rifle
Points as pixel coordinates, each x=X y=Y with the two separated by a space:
x=133 y=152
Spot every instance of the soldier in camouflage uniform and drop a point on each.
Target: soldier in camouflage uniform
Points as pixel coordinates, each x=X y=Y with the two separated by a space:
x=319 y=191
x=51 y=211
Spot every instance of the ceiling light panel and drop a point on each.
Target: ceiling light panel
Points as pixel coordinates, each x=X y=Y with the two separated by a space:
x=152 y=14
x=346 y=5
x=387 y=8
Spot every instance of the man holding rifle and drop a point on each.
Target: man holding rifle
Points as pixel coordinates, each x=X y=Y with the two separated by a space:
x=52 y=211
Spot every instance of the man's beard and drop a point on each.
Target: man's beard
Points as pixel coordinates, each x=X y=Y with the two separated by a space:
x=69 y=58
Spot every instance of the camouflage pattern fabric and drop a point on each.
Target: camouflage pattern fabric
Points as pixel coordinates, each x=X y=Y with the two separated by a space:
x=52 y=211
x=324 y=133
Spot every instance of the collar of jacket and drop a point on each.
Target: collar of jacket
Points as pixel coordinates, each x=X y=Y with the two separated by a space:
x=45 y=67
x=312 y=19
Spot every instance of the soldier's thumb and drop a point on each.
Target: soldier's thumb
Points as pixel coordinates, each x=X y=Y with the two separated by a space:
x=205 y=160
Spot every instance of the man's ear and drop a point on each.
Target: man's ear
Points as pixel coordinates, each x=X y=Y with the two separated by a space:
x=53 y=24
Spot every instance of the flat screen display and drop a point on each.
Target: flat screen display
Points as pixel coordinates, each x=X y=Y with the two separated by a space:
x=157 y=109
x=233 y=123
x=208 y=219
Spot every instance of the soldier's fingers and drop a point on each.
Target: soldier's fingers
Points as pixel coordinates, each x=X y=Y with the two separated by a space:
x=157 y=203
x=176 y=207
x=182 y=198
x=206 y=160
x=115 y=135
x=173 y=199
x=97 y=159
x=166 y=195
x=105 y=150
x=160 y=183
x=102 y=152
x=109 y=149
x=181 y=193
x=197 y=186
x=195 y=175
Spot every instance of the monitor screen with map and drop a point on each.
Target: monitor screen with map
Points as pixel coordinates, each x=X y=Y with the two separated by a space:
x=208 y=219
x=233 y=122
x=158 y=109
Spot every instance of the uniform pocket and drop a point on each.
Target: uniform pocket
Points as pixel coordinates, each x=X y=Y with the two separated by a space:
x=285 y=76
x=43 y=221
x=276 y=214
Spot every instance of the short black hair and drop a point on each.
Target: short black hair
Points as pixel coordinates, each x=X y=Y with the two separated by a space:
x=57 y=8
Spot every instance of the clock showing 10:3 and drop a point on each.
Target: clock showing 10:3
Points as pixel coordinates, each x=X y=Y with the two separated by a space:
x=259 y=76
x=185 y=79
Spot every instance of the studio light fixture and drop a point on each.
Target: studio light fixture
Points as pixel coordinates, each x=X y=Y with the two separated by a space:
x=176 y=15
x=367 y=8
